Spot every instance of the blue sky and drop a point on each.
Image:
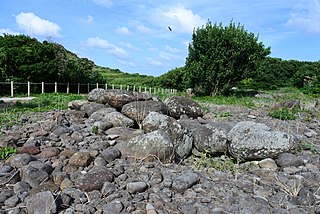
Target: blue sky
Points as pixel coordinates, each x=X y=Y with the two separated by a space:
x=133 y=35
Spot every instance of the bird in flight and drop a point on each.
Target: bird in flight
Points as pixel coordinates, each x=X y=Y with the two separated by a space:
x=169 y=28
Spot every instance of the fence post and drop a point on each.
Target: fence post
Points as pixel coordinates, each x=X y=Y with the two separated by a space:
x=112 y=86
x=139 y=88
x=88 y=87
x=134 y=88
x=128 y=88
x=150 y=90
x=78 y=88
x=120 y=87
x=106 y=86
x=11 y=88
x=155 y=91
x=97 y=85
x=28 y=89
x=55 y=87
x=42 y=87
x=145 y=89
x=68 y=88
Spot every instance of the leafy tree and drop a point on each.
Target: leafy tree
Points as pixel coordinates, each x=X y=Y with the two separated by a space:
x=219 y=57
x=173 y=79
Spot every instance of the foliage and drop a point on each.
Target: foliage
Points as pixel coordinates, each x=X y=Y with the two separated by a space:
x=284 y=113
x=223 y=163
x=26 y=59
x=116 y=77
x=6 y=151
x=308 y=147
x=219 y=57
x=173 y=79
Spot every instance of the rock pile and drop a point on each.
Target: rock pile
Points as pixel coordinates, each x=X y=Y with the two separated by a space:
x=129 y=152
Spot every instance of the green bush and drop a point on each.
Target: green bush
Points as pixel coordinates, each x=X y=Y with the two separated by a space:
x=284 y=113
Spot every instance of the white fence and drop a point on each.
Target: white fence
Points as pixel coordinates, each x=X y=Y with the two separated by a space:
x=10 y=88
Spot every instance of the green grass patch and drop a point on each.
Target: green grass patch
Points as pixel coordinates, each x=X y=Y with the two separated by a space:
x=284 y=113
x=6 y=151
x=42 y=103
x=229 y=100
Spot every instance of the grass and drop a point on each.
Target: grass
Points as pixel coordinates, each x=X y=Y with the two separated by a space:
x=6 y=151
x=246 y=101
x=42 y=103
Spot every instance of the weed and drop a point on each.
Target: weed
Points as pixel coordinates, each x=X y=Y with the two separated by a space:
x=6 y=151
x=284 y=113
x=222 y=163
x=308 y=147
x=222 y=114
x=95 y=129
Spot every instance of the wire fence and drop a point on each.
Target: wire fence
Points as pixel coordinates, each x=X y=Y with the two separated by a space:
x=13 y=89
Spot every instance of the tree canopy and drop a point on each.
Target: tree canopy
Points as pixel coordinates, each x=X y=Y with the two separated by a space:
x=219 y=57
x=26 y=59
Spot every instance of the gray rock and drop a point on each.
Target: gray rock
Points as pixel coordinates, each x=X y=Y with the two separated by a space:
x=5 y=194
x=210 y=139
x=185 y=181
x=110 y=154
x=12 y=201
x=20 y=160
x=77 y=104
x=34 y=176
x=138 y=110
x=108 y=188
x=94 y=179
x=21 y=186
x=178 y=106
x=114 y=207
x=90 y=108
x=135 y=187
x=288 y=159
x=148 y=146
x=96 y=95
x=180 y=137
x=42 y=202
x=252 y=141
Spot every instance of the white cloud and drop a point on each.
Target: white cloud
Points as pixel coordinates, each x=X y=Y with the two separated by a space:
x=154 y=62
x=90 y=19
x=34 y=25
x=123 y=31
x=169 y=56
x=143 y=29
x=179 y=18
x=306 y=17
x=8 y=31
x=129 y=45
x=171 y=49
x=104 y=3
x=126 y=62
x=104 y=44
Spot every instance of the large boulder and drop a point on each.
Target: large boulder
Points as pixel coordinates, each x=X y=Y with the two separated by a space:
x=101 y=119
x=77 y=104
x=180 y=137
x=255 y=141
x=91 y=107
x=138 y=110
x=178 y=106
x=118 y=98
x=97 y=95
x=153 y=145
x=208 y=138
